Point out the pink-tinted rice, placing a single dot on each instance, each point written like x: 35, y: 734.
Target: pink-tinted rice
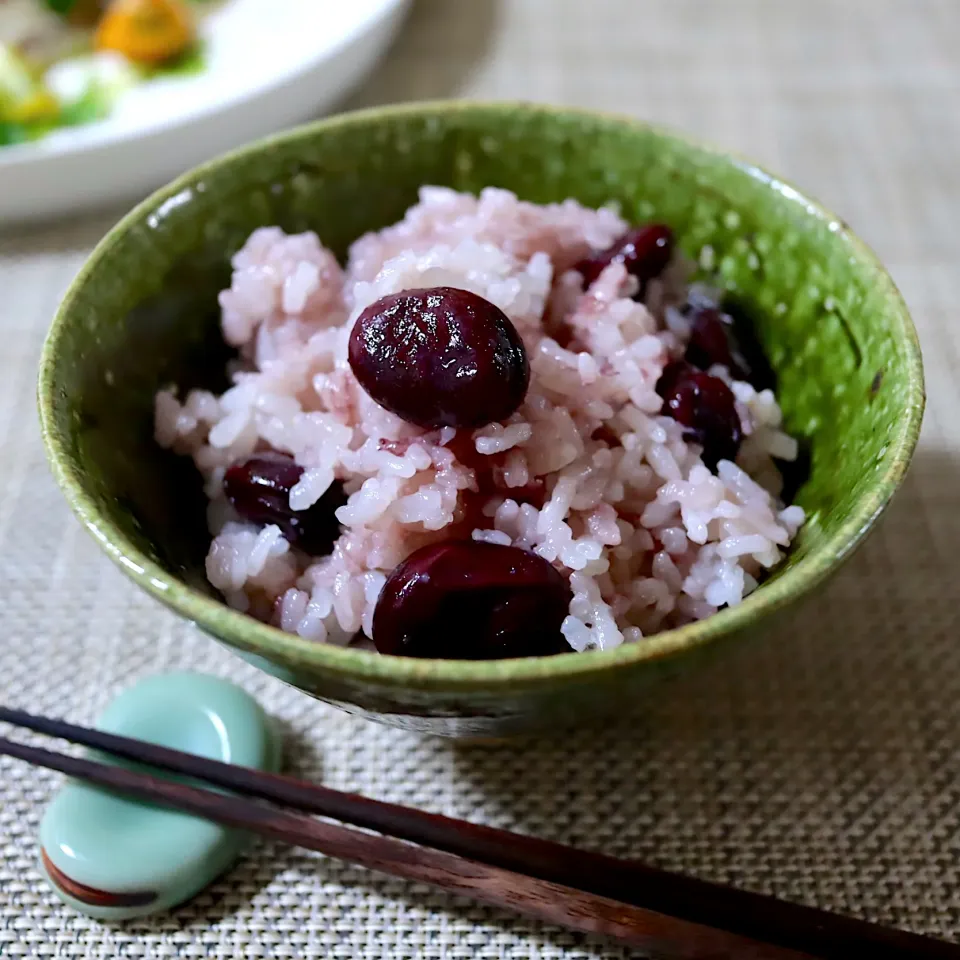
x: 648, y: 536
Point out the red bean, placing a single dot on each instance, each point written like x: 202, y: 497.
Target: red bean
x: 466, y: 600
x: 705, y: 405
x: 644, y: 251
x: 440, y: 357
x: 259, y: 489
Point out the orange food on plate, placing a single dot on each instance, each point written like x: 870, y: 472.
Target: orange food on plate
x: 146, y: 31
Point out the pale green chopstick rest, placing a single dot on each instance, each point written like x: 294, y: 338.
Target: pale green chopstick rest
x: 113, y: 858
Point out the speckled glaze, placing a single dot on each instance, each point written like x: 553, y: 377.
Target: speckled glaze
x: 115, y: 858
x: 142, y: 314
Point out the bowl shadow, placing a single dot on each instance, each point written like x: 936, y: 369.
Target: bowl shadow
x: 824, y: 751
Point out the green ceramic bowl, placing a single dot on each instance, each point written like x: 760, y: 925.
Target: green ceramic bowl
x: 143, y: 313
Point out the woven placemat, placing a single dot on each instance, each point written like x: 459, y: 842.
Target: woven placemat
x: 821, y: 765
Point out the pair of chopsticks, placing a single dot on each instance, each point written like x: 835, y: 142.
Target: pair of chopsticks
x: 664, y: 914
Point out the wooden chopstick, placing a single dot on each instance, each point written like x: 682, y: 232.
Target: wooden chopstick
x: 660, y: 935
x: 683, y: 899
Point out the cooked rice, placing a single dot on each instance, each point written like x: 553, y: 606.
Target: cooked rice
x: 647, y: 535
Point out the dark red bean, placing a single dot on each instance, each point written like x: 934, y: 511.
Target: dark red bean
x: 440, y: 357
x: 705, y: 405
x: 644, y: 251
x: 259, y: 489
x: 465, y: 600
x: 605, y: 435
x: 714, y: 340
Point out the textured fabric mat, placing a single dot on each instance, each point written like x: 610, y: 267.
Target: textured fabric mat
x: 821, y: 765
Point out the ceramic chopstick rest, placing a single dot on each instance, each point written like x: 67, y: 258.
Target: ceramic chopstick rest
x: 116, y: 858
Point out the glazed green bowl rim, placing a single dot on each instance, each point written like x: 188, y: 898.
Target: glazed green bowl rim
x: 270, y: 642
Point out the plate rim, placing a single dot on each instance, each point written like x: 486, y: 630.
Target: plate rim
x: 101, y: 136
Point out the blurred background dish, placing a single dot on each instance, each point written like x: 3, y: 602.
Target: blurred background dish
x: 66, y: 63
x: 90, y: 113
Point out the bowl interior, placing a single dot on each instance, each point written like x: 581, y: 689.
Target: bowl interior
x: 143, y: 314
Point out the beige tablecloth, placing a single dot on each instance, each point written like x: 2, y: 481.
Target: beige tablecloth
x: 821, y: 766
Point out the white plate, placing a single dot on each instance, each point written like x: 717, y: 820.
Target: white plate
x: 268, y: 64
